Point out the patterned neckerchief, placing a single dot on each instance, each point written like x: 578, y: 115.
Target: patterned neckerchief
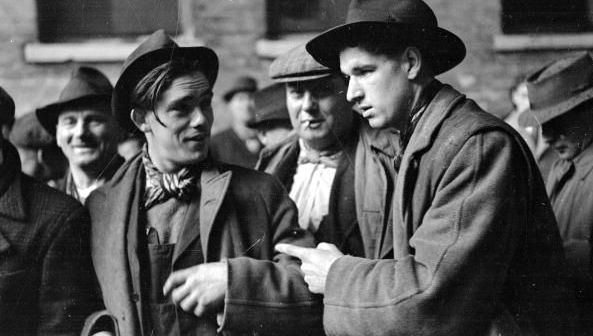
x: 162, y: 186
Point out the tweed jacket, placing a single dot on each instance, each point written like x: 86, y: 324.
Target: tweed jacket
x: 473, y: 247
x: 242, y: 215
x: 46, y: 276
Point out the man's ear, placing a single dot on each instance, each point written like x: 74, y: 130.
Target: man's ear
x: 412, y: 59
x: 138, y: 117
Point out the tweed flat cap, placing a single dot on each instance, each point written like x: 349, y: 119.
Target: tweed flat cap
x: 27, y: 132
x: 297, y: 65
x: 6, y: 107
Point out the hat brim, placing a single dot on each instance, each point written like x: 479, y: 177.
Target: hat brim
x: 444, y: 49
x: 546, y: 114
x: 303, y: 78
x: 141, y: 66
x: 48, y: 115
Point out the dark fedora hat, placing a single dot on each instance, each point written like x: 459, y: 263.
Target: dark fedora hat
x: 6, y: 108
x: 270, y: 106
x: 560, y: 86
x: 27, y: 132
x: 393, y: 21
x: 241, y: 84
x: 156, y: 50
x: 86, y: 85
x: 297, y: 65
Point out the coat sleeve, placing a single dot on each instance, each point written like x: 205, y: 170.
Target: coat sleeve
x: 270, y: 296
x: 67, y: 292
x: 449, y: 283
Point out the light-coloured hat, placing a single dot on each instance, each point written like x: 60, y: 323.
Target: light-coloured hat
x: 297, y: 65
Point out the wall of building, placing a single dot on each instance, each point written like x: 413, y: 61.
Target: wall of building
x: 232, y: 27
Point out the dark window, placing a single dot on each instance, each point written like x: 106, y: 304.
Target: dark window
x: 302, y: 16
x: 546, y: 16
x: 67, y: 20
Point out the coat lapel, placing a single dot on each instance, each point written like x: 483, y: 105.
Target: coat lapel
x: 434, y: 115
x: 213, y: 186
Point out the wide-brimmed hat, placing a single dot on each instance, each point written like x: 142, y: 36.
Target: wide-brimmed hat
x: 560, y: 86
x: 393, y: 21
x: 86, y: 85
x: 6, y: 108
x: 270, y: 106
x: 297, y: 65
x: 241, y: 84
x: 156, y: 50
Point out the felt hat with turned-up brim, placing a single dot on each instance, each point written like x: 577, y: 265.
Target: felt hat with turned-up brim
x: 400, y: 22
x: 155, y: 51
x: 559, y: 87
x: 86, y: 85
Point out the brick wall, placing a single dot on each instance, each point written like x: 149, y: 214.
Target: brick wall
x: 232, y: 27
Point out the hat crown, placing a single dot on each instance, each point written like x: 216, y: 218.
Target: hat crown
x: 157, y: 40
x: 560, y: 82
x: 414, y: 12
x: 295, y: 65
x: 86, y: 82
x: 6, y: 107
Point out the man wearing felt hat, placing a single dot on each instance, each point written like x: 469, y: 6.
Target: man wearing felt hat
x: 318, y: 166
x: 561, y: 96
x: 85, y: 130
x: 238, y: 144
x: 271, y: 122
x: 472, y: 246
x: 181, y: 243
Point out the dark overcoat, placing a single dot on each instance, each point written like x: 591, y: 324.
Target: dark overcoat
x: 46, y: 276
x: 242, y: 215
x: 473, y: 248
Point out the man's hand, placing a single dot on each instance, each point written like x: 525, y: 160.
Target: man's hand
x: 315, y: 262
x: 199, y: 289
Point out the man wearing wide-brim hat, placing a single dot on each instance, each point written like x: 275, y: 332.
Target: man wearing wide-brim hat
x: 561, y: 97
x: 85, y: 131
x: 271, y: 121
x: 181, y: 243
x: 472, y: 246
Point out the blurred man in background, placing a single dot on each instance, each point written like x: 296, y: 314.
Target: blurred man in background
x: 85, y: 130
x: 271, y: 122
x: 561, y: 96
x: 41, y: 158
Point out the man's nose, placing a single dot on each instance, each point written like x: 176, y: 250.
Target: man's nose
x: 354, y: 93
x: 310, y: 103
x: 198, y: 118
x: 80, y: 128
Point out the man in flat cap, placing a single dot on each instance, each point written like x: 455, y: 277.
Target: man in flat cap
x: 271, y: 122
x: 561, y: 96
x: 46, y: 276
x: 238, y: 144
x: 181, y: 243
x: 319, y: 164
x: 41, y: 158
x: 6, y: 113
x: 472, y: 246
x: 86, y: 132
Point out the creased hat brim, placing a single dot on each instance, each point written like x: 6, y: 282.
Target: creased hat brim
x: 546, y: 114
x: 444, y: 49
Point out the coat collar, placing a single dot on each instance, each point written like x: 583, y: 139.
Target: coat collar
x: 584, y: 162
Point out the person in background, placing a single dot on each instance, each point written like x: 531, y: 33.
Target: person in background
x: 520, y: 101
x: 271, y: 122
x: 472, y: 246
x: 6, y: 113
x: 238, y: 144
x: 561, y: 96
x: 40, y: 156
x: 544, y: 154
x: 85, y: 131
x: 183, y: 244
x: 130, y: 145
x: 46, y: 276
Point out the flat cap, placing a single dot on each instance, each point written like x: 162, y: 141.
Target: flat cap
x: 297, y: 65
x: 241, y: 84
x: 270, y: 105
x: 6, y: 107
x: 27, y: 132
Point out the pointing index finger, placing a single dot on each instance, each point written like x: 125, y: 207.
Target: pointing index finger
x: 292, y: 250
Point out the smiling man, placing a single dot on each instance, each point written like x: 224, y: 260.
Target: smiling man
x: 471, y: 246
x: 561, y: 97
x: 85, y: 131
x: 183, y: 244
